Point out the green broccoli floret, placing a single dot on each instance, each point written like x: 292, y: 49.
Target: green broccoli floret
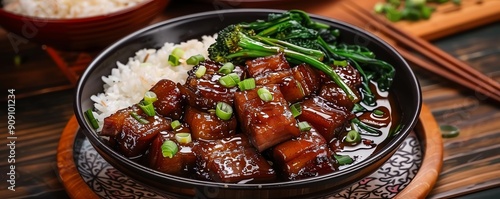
x: 227, y: 42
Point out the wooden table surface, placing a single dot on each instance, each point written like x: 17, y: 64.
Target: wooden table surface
x: 471, y: 164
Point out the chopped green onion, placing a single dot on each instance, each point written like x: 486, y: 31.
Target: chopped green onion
x: 139, y: 118
x: 175, y: 56
x: 177, y: 52
x: 353, y: 136
x: 365, y: 129
x: 304, y: 126
x: 426, y: 12
x: 247, y: 84
x: 91, y: 118
x: 235, y: 77
x: 378, y: 113
x: 230, y: 80
x: 227, y: 68
x: 265, y: 95
x: 449, y: 131
x: 343, y: 159
x: 169, y: 148
x: 183, y: 138
x: 393, y: 14
x: 224, y: 111
x: 200, y: 71
x: 195, y: 59
x: 150, y: 97
x: 379, y: 7
x: 342, y: 63
x: 296, y: 109
x: 175, y: 124
x: 173, y: 60
x: 149, y: 109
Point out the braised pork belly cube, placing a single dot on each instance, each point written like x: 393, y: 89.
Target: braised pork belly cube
x: 134, y: 136
x: 307, y: 77
x: 113, y: 124
x: 275, y: 69
x: 331, y: 92
x: 265, y: 123
x: 262, y: 65
x: 232, y: 160
x: 305, y: 156
x: 290, y: 88
x: 324, y: 116
x: 208, y: 126
x: 169, y: 103
x: 181, y: 163
x: 272, y: 77
x: 349, y: 75
x: 204, y: 92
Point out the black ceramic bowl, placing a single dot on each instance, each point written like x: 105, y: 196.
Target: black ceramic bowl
x: 405, y: 88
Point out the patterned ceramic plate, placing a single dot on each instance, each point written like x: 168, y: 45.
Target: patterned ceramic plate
x: 386, y: 182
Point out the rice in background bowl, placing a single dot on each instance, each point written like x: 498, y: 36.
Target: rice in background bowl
x: 82, y: 33
x: 65, y: 9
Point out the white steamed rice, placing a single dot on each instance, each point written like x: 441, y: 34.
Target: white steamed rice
x: 129, y: 81
x: 65, y: 9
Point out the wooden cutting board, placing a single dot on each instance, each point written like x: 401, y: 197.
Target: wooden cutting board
x: 448, y: 18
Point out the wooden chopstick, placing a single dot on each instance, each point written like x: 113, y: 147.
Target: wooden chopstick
x: 410, y: 39
x: 446, y: 74
x: 444, y: 65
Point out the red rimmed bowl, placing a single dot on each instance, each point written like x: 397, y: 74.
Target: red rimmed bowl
x: 406, y: 91
x: 80, y: 34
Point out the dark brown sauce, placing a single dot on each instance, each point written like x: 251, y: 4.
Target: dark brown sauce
x: 370, y: 144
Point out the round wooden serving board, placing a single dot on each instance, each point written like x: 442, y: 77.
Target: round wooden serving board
x: 427, y: 131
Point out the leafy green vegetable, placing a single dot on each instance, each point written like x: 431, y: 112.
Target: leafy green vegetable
x: 301, y: 40
x: 411, y: 10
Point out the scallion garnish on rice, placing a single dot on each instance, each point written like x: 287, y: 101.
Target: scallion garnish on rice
x: 195, y: 59
x: 90, y: 116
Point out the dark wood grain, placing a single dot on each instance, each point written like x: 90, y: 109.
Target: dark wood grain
x: 471, y: 161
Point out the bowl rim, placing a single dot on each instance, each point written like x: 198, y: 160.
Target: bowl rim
x: 77, y: 19
x: 383, y: 152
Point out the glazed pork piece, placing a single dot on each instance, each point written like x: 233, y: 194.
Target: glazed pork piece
x: 180, y: 164
x: 169, y: 103
x: 325, y: 117
x: 275, y: 69
x: 308, y: 78
x: 131, y: 136
x: 333, y: 93
x: 265, y: 123
x: 262, y: 65
x: 203, y: 93
x: 232, y: 160
x: 207, y: 126
x: 305, y: 156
